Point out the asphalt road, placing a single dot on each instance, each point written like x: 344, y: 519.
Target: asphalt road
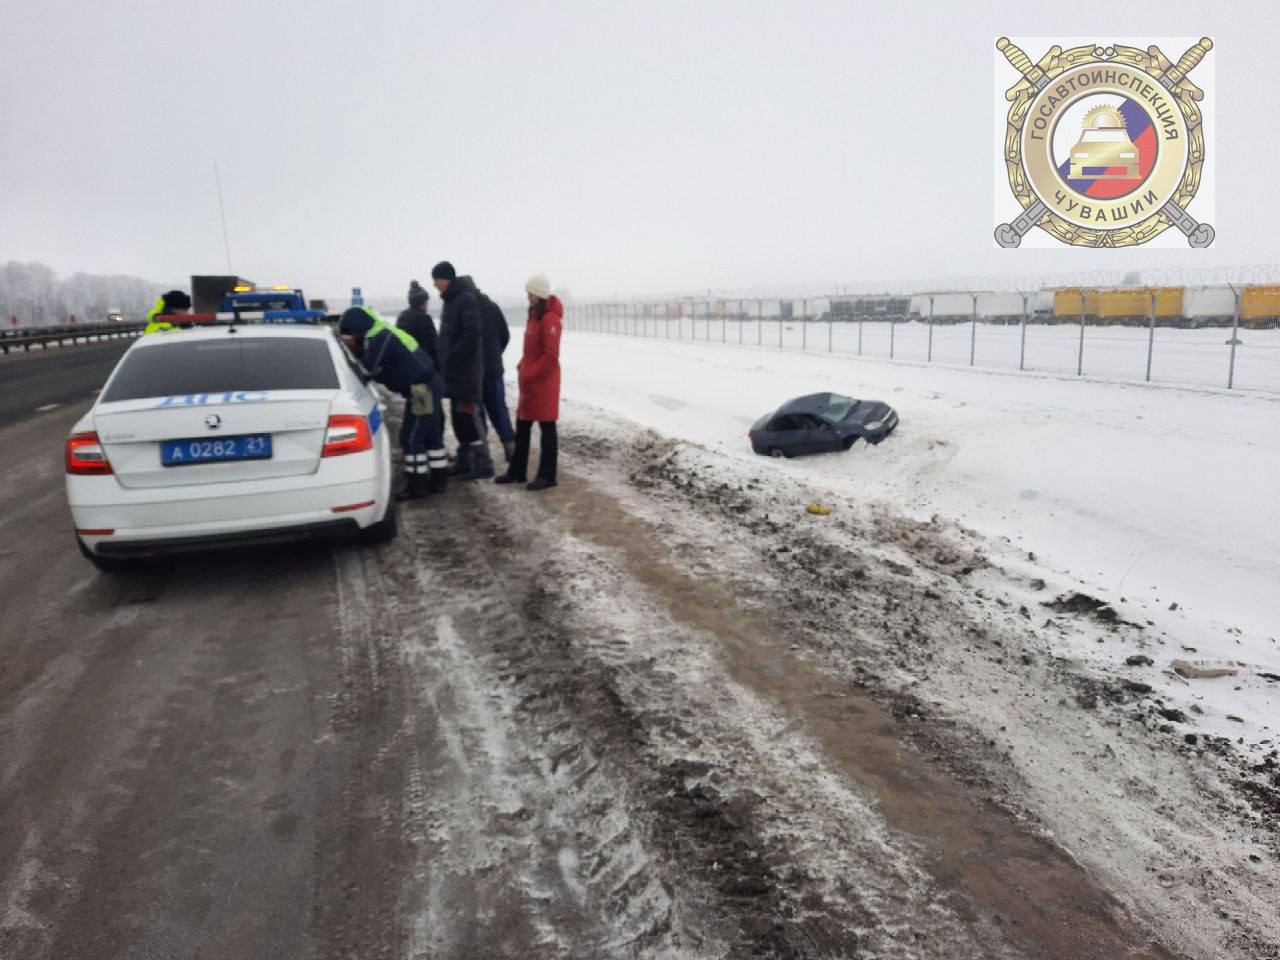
x: 164, y: 771
x: 65, y: 376
x: 171, y: 781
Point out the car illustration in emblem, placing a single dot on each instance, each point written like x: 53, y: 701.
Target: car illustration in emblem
x: 1104, y: 145
x: 213, y: 421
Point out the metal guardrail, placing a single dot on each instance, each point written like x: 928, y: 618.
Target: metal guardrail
x: 25, y: 338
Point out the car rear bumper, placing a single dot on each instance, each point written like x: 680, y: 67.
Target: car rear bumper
x: 119, y: 528
x: 140, y: 547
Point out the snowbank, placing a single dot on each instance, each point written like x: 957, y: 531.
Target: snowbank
x: 1150, y: 496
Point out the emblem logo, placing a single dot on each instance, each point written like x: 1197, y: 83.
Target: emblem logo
x: 1104, y: 146
x: 213, y: 421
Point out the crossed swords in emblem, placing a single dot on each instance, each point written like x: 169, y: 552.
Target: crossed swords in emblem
x: 1010, y: 235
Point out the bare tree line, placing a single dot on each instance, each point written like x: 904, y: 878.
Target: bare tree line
x: 37, y: 297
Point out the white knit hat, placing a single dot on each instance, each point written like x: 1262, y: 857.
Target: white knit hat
x: 539, y: 286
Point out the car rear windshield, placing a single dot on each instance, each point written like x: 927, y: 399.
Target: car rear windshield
x: 216, y: 366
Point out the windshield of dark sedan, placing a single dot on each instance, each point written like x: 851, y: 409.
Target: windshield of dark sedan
x: 838, y: 408
x: 217, y: 366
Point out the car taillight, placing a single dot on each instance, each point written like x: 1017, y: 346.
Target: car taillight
x: 85, y: 455
x: 346, y: 434
x: 348, y: 508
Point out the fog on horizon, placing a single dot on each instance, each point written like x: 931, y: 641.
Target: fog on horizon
x: 624, y: 150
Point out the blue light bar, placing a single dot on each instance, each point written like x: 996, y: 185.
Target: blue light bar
x: 293, y: 316
x: 271, y: 316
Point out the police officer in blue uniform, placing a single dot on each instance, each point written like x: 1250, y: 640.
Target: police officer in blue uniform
x: 394, y: 358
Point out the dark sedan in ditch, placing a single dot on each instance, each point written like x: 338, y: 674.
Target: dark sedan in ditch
x: 821, y: 423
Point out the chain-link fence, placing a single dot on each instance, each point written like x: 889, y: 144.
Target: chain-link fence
x: 1218, y: 335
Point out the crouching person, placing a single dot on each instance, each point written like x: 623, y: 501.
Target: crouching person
x: 394, y: 359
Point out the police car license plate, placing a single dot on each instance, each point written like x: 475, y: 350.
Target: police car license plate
x: 177, y: 453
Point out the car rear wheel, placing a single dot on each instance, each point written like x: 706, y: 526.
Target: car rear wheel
x: 776, y: 453
x: 850, y: 442
x: 384, y: 531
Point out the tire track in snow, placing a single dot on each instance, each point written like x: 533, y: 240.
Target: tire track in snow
x: 521, y: 843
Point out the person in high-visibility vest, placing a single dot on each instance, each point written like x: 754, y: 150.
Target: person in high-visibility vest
x: 393, y: 357
x: 169, y: 304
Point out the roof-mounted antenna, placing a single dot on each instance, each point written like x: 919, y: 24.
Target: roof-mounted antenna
x: 226, y: 243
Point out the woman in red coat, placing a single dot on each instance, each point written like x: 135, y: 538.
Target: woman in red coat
x: 539, y: 380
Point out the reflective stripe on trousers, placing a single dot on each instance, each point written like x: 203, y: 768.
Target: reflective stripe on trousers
x: 426, y: 462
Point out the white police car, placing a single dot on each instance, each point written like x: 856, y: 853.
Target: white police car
x: 229, y: 434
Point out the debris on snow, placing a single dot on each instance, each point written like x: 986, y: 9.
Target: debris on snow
x: 1203, y: 670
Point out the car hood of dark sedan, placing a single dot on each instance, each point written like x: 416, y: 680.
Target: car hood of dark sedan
x: 866, y: 411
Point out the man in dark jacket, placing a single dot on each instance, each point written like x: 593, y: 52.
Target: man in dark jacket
x: 395, y: 360
x: 418, y: 322
x: 496, y: 336
x: 462, y: 363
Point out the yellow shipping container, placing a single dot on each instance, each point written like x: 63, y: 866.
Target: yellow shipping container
x: 1137, y: 302
x: 1067, y: 302
x: 1169, y: 302
x: 1070, y: 302
x: 1259, y: 303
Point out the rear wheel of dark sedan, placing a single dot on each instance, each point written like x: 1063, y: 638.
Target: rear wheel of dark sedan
x: 777, y: 454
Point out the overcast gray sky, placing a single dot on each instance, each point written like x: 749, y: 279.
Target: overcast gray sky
x: 619, y: 147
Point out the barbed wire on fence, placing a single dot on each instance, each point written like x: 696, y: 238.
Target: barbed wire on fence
x: 1211, y: 326
x: 1175, y: 276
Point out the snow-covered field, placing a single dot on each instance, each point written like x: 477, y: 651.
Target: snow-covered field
x: 1189, y: 357
x: 1159, y: 501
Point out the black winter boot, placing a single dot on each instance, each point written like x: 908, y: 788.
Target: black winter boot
x: 462, y: 463
x: 550, y: 456
x: 438, y: 481
x: 481, y: 462
x: 415, y: 488
x: 518, y: 460
x: 540, y: 483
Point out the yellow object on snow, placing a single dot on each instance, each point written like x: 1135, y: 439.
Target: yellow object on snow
x: 819, y: 509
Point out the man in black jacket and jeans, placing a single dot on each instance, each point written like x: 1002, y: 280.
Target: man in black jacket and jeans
x: 496, y: 336
x: 461, y: 348
x: 418, y: 323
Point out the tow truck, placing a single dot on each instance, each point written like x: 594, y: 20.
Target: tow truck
x: 277, y: 303
x: 226, y: 299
